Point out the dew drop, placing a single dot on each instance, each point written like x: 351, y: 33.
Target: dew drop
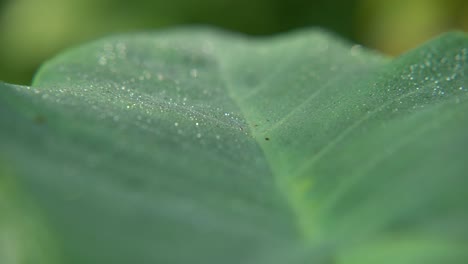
x: 355, y: 50
x: 194, y: 73
x: 147, y: 75
x: 102, y: 60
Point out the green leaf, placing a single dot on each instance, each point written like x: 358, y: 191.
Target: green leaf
x: 199, y: 146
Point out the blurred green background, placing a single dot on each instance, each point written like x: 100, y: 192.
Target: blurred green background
x: 31, y: 31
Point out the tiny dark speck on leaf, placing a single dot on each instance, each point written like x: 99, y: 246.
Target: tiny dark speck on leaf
x: 267, y: 138
x: 39, y: 119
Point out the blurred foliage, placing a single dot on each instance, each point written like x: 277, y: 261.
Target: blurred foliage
x: 33, y: 30
x: 398, y: 25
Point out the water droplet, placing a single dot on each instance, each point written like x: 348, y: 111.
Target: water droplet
x: 121, y: 49
x: 355, y: 50
x: 102, y: 60
x: 108, y: 47
x: 147, y: 75
x: 176, y: 124
x: 194, y: 73
x: 196, y: 124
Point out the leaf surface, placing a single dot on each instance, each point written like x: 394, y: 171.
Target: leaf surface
x: 199, y: 146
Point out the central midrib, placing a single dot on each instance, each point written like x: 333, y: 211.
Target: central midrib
x: 297, y: 207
